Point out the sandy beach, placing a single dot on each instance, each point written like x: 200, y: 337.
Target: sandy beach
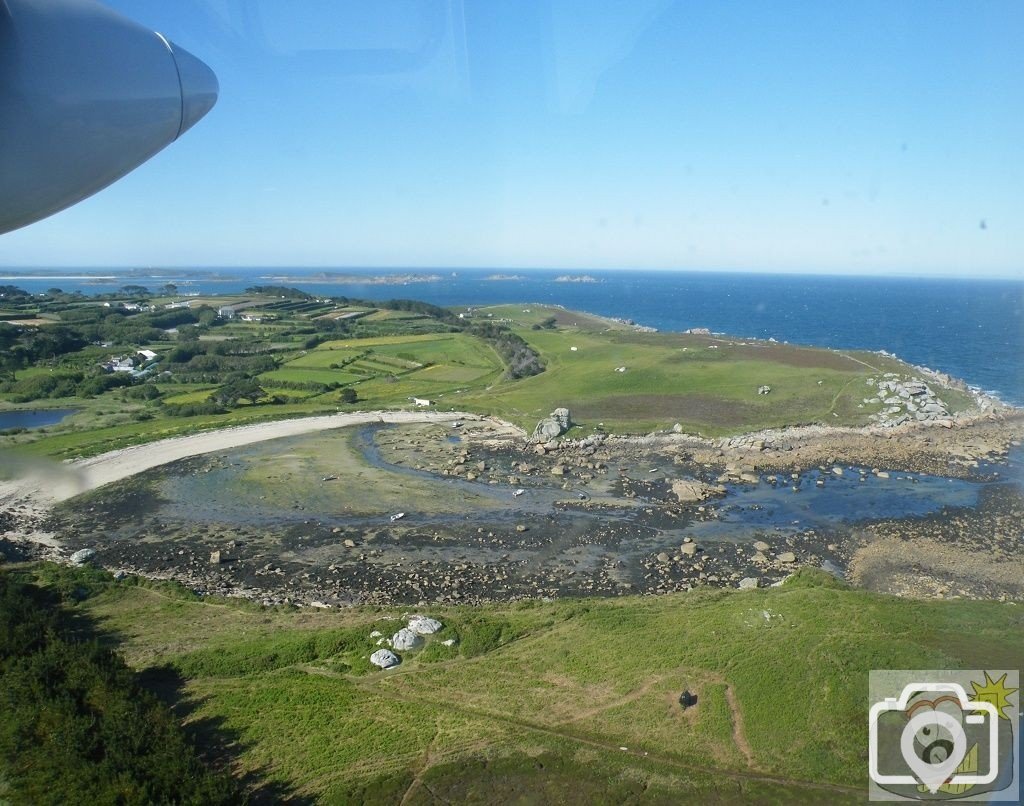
x: 44, y: 484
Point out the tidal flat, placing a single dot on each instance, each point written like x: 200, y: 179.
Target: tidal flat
x: 311, y: 519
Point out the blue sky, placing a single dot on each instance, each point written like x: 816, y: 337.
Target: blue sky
x: 864, y: 137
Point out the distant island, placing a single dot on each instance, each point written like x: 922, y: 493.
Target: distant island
x: 498, y: 277
x: 576, y: 278
x: 354, y: 279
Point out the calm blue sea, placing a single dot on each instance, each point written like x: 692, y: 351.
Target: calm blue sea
x: 973, y: 329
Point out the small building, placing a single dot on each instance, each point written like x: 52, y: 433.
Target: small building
x: 226, y: 312
x: 146, y: 355
x: 422, y: 401
x: 181, y: 304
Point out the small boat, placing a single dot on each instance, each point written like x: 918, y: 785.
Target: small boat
x: 397, y: 516
x: 329, y: 478
x: 457, y: 424
x: 518, y: 493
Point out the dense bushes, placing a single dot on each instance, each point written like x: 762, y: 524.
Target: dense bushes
x: 75, y: 726
x: 193, y: 409
x: 522, y: 360
x: 62, y: 384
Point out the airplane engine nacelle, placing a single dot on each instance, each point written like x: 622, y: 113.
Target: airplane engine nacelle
x: 85, y: 96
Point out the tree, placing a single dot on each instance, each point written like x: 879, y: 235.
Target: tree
x: 349, y: 395
x: 241, y: 389
x: 170, y: 289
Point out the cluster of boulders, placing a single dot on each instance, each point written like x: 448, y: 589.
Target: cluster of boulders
x: 552, y: 426
x: 905, y: 401
x: 407, y: 638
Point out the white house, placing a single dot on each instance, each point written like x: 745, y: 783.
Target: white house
x: 226, y: 312
x: 121, y: 363
x: 421, y: 401
x: 147, y: 355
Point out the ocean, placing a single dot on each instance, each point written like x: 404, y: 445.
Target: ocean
x: 973, y: 329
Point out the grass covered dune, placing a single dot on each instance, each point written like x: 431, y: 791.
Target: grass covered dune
x: 559, y: 701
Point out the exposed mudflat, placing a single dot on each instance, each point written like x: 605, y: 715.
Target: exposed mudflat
x: 308, y: 518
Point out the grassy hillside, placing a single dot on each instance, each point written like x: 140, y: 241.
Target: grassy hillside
x: 707, y: 384
x: 571, y: 700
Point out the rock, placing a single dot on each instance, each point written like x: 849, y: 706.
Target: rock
x: 405, y: 639
x: 422, y: 625
x: 764, y: 390
x: 559, y: 470
x: 449, y: 642
x: 216, y: 558
x: 662, y: 557
x: 384, y: 658
x: 787, y: 557
x: 688, y: 549
x: 690, y: 491
x: 748, y: 583
x: 349, y: 543
x: 760, y: 545
x: 552, y: 426
x: 82, y: 556
x: 520, y: 527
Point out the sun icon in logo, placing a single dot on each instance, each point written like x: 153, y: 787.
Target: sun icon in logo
x: 995, y: 692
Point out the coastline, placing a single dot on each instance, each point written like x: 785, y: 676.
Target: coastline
x: 746, y: 460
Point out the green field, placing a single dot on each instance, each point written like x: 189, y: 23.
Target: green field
x: 572, y: 700
x: 389, y: 370
x: 616, y: 379
x: 706, y: 384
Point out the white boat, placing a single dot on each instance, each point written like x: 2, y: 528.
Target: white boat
x: 518, y: 493
x: 397, y: 516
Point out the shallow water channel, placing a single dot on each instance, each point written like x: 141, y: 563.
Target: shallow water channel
x: 321, y: 506
x: 745, y: 511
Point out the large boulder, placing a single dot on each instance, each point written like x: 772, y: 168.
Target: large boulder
x: 553, y: 426
x: 82, y: 556
x: 421, y: 625
x: 405, y: 639
x: 384, y: 658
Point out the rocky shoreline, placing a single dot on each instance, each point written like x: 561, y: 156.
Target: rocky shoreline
x: 972, y: 553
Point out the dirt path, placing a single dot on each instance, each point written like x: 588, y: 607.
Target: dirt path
x: 738, y: 734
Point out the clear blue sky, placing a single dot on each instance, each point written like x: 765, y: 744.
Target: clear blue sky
x: 871, y: 137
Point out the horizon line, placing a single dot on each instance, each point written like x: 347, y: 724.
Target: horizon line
x: 900, y: 274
